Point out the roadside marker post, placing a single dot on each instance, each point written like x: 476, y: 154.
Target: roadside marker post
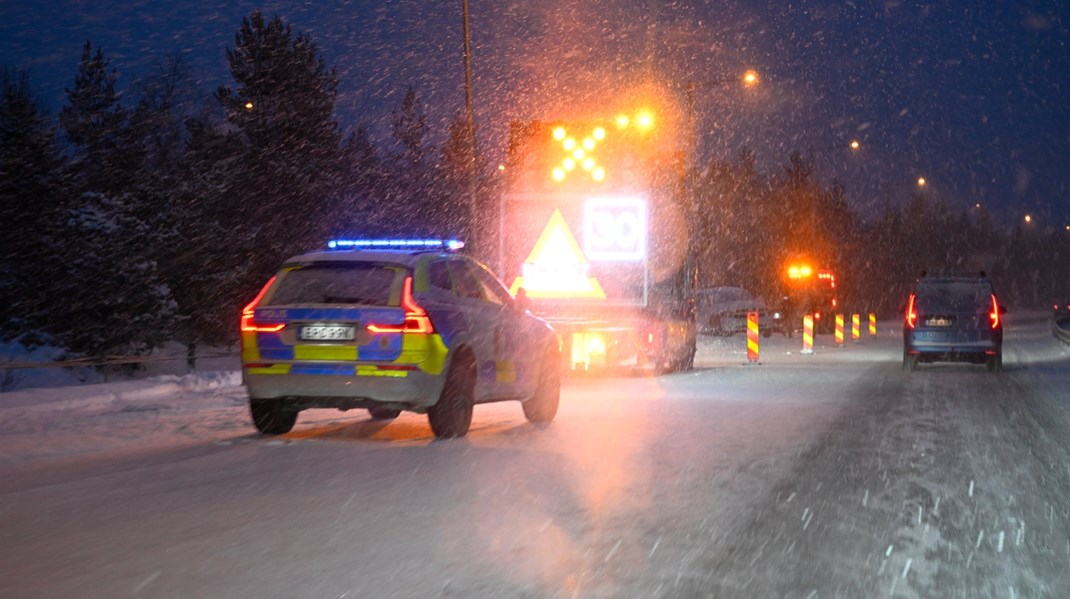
x: 872, y: 324
x: 752, y: 337
x: 839, y: 330
x: 856, y: 333
x: 808, y: 334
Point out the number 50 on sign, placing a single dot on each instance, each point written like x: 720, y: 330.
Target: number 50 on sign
x: 614, y: 229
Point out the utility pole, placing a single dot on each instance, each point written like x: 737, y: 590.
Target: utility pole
x: 470, y: 125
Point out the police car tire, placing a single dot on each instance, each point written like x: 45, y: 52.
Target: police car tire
x: 451, y: 416
x: 689, y: 359
x: 542, y: 406
x: 381, y: 413
x: 270, y: 417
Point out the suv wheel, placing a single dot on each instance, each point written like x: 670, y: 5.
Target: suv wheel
x: 910, y: 363
x: 542, y: 406
x: 271, y: 417
x: 995, y: 363
x: 451, y: 416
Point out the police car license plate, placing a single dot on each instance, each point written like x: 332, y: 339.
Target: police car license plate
x: 328, y: 333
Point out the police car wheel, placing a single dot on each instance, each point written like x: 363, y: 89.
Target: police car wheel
x: 542, y: 406
x: 689, y: 359
x: 381, y: 413
x: 271, y: 417
x: 451, y: 416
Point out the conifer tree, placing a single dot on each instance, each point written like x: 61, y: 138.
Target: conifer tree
x: 31, y: 198
x: 111, y: 297
x: 105, y: 159
x: 282, y: 113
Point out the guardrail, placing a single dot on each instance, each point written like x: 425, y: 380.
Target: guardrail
x: 115, y: 361
x: 1060, y: 327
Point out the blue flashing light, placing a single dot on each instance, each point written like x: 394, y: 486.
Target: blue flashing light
x: 388, y: 244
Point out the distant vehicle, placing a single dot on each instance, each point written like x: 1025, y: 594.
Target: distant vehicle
x: 953, y: 318
x: 392, y: 326
x: 1060, y: 311
x: 809, y: 291
x: 723, y: 311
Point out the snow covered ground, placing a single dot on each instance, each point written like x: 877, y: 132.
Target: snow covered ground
x: 825, y: 475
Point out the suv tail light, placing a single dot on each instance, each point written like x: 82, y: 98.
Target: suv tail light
x: 994, y: 314
x: 249, y: 324
x: 911, y: 313
x: 416, y: 319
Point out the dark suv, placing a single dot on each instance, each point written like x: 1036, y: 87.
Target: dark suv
x: 953, y: 318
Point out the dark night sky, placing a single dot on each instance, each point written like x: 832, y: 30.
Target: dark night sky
x: 973, y: 96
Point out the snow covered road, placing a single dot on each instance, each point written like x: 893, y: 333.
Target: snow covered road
x: 825, y: 475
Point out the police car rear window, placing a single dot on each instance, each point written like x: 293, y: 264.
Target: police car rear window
x: 359, y: 283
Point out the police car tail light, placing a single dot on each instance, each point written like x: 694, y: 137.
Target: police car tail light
x: 416, y: 319
x: 248, y: 321
x: 993, y: 316
x: 911, y: 314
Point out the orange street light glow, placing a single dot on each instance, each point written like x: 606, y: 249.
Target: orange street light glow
x: 921, y: 182
x: 645, y: 119
x: 750, y: 78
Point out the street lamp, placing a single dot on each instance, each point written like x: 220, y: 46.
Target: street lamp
x: 470, y: 124
x: 854, y: 145
x: 748, y: 79
x: 919, y: 184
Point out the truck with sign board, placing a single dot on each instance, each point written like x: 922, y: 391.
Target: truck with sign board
x: 810, y: 291
x: 594, y: 234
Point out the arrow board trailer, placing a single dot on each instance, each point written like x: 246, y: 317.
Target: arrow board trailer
x: 604, y: 261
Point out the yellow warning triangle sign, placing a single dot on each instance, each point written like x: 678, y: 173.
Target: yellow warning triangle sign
x: 556, y: 266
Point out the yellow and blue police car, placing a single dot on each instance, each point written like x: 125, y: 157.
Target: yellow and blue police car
x: 392, y: 325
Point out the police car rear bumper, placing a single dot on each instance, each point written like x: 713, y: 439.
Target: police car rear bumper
x: 412, y: 390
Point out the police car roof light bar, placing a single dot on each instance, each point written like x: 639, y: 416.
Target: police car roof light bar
x: 449, y: 244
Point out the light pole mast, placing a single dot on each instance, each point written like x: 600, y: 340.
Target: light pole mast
x: 470, y: 126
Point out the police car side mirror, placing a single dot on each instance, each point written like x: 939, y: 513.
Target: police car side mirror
x: 522, y: 302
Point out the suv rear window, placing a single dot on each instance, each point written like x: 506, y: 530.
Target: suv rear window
x: 957, y: 296
x: 361, y: 283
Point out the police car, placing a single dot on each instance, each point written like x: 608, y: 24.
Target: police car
x: 392, y: 325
